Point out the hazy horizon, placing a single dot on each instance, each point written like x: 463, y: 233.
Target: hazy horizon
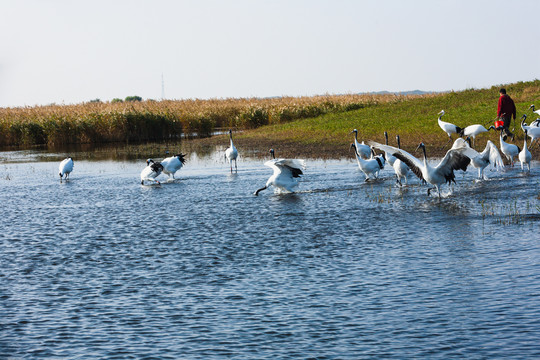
x: 66, y: 52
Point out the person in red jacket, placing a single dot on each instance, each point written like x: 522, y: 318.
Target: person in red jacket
x: 505, y: 111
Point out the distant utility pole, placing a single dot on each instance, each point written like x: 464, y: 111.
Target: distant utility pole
x: 162, y: 87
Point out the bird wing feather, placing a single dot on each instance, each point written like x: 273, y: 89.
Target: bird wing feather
x: 156, y: 167
x: 182, y: 158
x: 453, y: 160
x: 393, y: 150
x: 464, y: 148
x: 294, y: 171
x: 474, y: 129
x: 292, y: 163
x: 292, y: 166
x: 495, y: 157
x: 173, y: 163
x: 165, y: 162
x: 411, y: 161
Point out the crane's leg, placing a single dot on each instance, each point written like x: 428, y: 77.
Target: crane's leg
x: 235, y: 165
x: 449, y: 140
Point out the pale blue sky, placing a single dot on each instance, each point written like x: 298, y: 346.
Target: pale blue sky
x: 55, y: 51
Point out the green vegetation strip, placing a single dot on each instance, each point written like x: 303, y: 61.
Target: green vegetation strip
x: 311, y: 127
x: 415, y: 120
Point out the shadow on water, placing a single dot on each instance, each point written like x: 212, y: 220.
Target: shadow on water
x: 286, y: 198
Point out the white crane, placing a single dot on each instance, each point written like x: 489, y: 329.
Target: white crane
x: 448, y: 128
x: 151, y: 171
x: 400, y: 168
x: 232, y: 153
x: 370, y: 167
x: 509, y: 150
x: 172, y: 164
x: 535, y: 123
x: 65, y: 168
x: 532, y: 131
x: 362, y: 149
x: 534, y: 109
x: 474, y: 130
x: 480, y: 161
x: 435, y: 175
x: 525, y: 155
x: 286, y: 173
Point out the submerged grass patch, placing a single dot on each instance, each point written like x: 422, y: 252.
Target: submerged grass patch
x: 510, y: 213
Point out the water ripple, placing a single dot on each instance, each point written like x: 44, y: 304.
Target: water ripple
x: 200, y: 268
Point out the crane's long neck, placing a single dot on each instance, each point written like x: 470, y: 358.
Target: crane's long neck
x: 358, y: 157
x: 385, y: 138
x: 398, y: 143
x: 425, y: 156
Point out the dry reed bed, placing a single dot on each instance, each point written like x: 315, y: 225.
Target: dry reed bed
x: 101, y: 122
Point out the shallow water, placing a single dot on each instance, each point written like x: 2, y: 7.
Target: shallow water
x: 102, y: 267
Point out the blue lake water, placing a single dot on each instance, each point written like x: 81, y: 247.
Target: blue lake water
x: 102, y: 267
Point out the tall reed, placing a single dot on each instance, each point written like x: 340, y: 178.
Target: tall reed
x: 99, y: 122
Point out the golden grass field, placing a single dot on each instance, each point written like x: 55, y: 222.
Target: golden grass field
x: 104, y: 122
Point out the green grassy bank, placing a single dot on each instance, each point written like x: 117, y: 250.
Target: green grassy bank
x: 415, y: 120
x: 311, y: 127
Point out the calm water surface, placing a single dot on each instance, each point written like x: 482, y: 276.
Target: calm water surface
x: 102, y: 267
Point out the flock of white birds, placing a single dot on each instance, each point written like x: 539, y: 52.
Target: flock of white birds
x: 459, y: 157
